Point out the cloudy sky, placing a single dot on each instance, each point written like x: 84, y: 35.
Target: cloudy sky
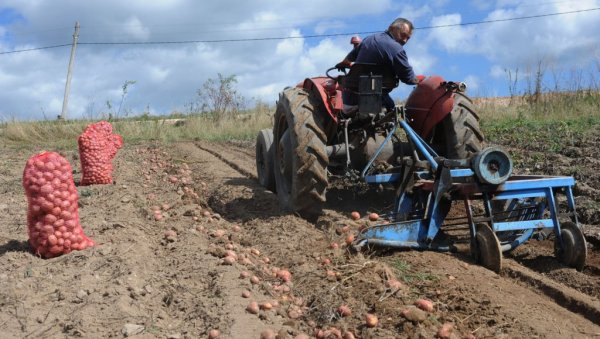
x: 269, y: 45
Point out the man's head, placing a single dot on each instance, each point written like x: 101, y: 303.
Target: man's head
x: 401, y: 30
x: 355, y: 40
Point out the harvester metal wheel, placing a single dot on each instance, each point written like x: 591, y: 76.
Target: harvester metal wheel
x: 460, y: 132
x: 573, y: 253
x: 300, y: 156
x: 486, y: 249
x: 265, y: 159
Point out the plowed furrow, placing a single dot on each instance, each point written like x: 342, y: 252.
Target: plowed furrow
x: 541, y: 280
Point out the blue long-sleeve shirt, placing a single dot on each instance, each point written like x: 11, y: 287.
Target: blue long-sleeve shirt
x: 382, y: 49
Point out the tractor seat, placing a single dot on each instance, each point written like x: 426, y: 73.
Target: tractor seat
x: 351, y: 81
x: 363, y: 88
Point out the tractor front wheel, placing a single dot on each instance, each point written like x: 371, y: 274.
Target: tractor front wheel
x: 264, y: 159
x: 301, y: 159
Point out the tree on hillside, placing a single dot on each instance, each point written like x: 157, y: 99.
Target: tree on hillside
x: 219, y: 96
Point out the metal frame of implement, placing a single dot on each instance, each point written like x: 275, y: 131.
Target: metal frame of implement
x: 426, y: 189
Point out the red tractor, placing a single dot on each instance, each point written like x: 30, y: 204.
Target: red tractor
x: 314, y: 138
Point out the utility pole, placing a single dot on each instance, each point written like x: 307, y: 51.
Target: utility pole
x: 63, y: 114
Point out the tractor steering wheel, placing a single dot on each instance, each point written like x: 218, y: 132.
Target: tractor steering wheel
x: 341, y: 70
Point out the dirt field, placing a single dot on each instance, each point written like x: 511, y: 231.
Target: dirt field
x: 140, y: 283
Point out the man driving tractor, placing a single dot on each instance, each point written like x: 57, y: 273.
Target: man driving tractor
x: 385, y: 50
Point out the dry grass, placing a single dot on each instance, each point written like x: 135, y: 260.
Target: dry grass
x: 579, y: 110
x: 63, y: 134
x: 547, y: 106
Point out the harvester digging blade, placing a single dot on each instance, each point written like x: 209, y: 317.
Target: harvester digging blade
x: 487, y: 252
x: 574, y: 250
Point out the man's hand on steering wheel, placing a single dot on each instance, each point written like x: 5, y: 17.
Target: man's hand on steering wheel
x: 342, y: 66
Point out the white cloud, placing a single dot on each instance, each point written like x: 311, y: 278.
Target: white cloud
x: 496, y: 71
x: 481, y: 4
x: 453, y: 39
x: 157, y: 74
x: 563, y: 40
x: 472, y: 82
x: 327, y: 26
x: 167, y: 76
x: 266, y: 90
x: 414, y: 13
x: 291, y: 47
x: 420, y: 57
x: 135, y: 29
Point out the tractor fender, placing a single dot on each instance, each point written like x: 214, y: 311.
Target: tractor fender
x: 329, y: 93
x: 428, y: 104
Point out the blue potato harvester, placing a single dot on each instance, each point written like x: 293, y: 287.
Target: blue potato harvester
x: 502, y: 211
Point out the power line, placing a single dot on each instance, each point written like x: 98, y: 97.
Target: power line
x: 223, y: 40
x: 301, y: 37
x: 509, y: 19
x: 35, y: 49
x: 333, y: 34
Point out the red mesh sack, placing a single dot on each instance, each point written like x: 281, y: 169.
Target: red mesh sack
x: 52, y: 216
x: 113, y: 147
x: 97, y: 147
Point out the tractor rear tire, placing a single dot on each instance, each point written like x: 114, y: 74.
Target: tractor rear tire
x: 265, y: 159
x: 460, y: 131
x: 301, y: 158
